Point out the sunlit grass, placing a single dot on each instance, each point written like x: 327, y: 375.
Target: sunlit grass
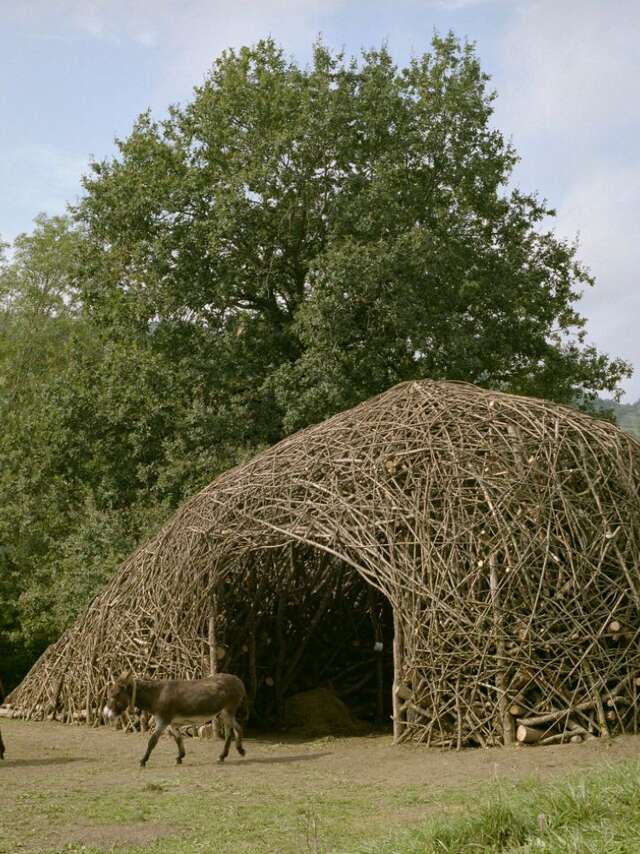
x: 597, y: 811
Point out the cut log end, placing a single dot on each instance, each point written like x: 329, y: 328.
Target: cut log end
x: 528, y: 735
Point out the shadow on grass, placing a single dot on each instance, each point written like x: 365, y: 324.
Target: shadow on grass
x: 34, y: 763
x: 281, y: 760
x: 237, y: 762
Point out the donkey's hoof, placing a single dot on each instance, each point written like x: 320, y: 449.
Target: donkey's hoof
x: 179, y: 760
x: 241, y: 751
x: 220, y: 760
x: 143, y: 764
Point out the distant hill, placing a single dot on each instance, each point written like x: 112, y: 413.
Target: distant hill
x: 627, y: 414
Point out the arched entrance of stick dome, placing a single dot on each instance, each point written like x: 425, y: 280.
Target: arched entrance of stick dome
x: 293, y: 618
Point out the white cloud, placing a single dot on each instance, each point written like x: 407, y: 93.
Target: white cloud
x: 36, y: 178
x: 148, y: 21
x: 197, y: 36
x: 573, y: 65
x: 603, y: 208
x: 147, y: 38
x: 568, y: 94
x: 463, y: 4
x: 191, y: 33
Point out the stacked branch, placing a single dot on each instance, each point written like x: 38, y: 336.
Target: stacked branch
x: 503, y: 532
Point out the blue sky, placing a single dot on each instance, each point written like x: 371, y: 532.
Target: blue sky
x: 75, y: 73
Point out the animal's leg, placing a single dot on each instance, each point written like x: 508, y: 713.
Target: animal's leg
x: 1, y: 747
x: 237, y: 730
x: 174, y: 732
x: 160, y: 728
x: 228, y: 730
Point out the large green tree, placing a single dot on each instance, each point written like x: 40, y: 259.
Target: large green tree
x: 318, y: 234
x: 37, y: 320
x: 84, y: 413
x: 103, y: 433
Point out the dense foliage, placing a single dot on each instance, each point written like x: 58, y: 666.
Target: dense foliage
x: 287, y: 244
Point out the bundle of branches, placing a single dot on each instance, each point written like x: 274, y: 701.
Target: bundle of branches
x: 503, y: 531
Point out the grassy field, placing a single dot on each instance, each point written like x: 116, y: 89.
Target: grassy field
x: 66, y: 789
x: 594, y: 812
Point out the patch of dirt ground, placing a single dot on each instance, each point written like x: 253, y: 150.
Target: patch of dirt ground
x: 107, y: 836
x: 44, y: 760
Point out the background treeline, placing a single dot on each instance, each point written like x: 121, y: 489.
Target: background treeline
x: 626, y: 415
x: 290, y: 242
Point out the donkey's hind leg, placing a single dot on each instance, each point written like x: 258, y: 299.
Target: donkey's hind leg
x: 228, y: 734
x: 232, y: 730
x: 174, y: 732
x: 237, y: 729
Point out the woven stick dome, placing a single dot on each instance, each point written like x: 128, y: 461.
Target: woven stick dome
x: 503, y: 531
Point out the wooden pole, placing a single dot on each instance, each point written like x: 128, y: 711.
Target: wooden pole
x: 251, y: 643
x: 281, y: 657
x: 379, y: 650
x: 501, y: 679
x: 602, y: 720
x: 213, y: 661
x: 213, y: 658
x: 398, y: 652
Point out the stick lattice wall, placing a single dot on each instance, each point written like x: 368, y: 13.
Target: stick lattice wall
x: 504, y: 531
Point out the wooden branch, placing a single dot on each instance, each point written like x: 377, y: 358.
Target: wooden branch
x: 399, y: 718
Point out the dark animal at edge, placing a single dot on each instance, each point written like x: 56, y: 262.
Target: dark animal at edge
x: 180, y: 701
x: 2, y: 696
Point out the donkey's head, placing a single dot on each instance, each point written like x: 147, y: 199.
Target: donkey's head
x: 119, y: 696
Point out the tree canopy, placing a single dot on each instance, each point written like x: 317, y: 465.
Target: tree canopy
x: 288, y: 243
x: 335, y: 229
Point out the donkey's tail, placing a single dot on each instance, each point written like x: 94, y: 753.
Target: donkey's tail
x: 242, y: 712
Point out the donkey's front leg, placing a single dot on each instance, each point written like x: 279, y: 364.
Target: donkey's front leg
x: 160, y: 728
